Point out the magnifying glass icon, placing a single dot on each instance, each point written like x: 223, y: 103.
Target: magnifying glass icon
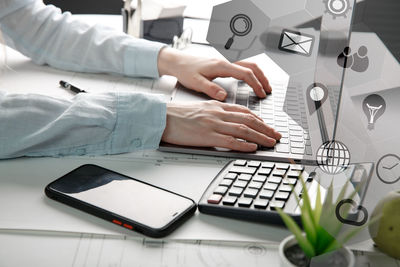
x: 240, y: 25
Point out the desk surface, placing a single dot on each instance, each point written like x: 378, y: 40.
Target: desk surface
x: 23, y: 180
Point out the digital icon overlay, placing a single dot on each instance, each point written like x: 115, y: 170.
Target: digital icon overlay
x: 337, y: 8
x: 374, y: 107
x: 240, y: 25
x: 358, y: 62
x: 333, y: 157
x: 388, y: 169
x: 296, y: 42
x: 355, y: 206
x: 317, y: 94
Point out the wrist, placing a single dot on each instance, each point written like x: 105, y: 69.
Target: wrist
x: 168, y: 61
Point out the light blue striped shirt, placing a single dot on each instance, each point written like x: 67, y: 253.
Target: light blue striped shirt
x: 93, y: 124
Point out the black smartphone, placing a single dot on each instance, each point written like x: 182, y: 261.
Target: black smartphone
x: 122, y: 200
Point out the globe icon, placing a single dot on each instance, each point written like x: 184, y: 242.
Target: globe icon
x: 333, y: 157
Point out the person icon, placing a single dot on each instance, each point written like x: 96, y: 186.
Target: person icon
x: 361, y: 60
x: 345, y: 60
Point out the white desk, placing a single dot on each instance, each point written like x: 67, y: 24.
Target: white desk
x: 24, y: 207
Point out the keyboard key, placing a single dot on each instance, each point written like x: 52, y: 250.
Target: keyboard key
x: 282, y: 148
x: 252, y: 193
x: 298, y: 151
x: 266, y: 194
x: 237, y: 169
x: 269, y: 165
x: 297, y: 168
x: 226, y: 182
x: 283, y: 130
x: 285, y: 188
x: 297, y: 145
x: 296, y: 138
x: 271, y: 186
x: 279, y: 173
x: 231, y: 176
x: 282, y: 166
x: 245, y: 177
x: 285, y: 135
x: 290, y: 181
x: 296, y: 133
x: 214, y: 199
x: 284, y: 141
x: 254, y: 163
x: 282, y: 196
x: 221, y: 190
x: 277, y: 204
x: 245, y: 202
x: 229, y: 201
x: 261, y: 203
x: 293, y: 174
x: 241, y: 184
x: 240, y: 162
x: 275, y: 179
x: 260, y: 178
x: 264, y: 171
x: 235, y: 191
x: 255, y: 185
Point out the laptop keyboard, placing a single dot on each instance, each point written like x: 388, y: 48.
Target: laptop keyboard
x: 248, y: 189
x: 284, y: 111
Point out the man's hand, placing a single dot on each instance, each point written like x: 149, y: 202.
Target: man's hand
x: 197, y: 73
x: 217, y: 124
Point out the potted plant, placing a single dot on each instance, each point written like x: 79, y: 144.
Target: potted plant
x: 316, y: 244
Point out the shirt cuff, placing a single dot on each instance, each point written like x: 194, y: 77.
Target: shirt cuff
x: 140, y: 123
x: 142, y: 61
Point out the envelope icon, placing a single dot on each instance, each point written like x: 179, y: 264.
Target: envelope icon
x: 296, y: 42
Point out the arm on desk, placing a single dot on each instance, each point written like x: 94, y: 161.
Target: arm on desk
x: 49, y: 37
x: 93, y: 124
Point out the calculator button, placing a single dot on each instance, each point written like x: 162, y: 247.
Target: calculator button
x: 299, y: 168
x: 241, y: 184
x: 245, y: 177
x: 270, y: 186
x: 264, y: 171
x: 252, y: 193
x: 229, y: 201
x: 293, y: 174
x: 254, y: 163
x: 240, y: 162
x: 282, y: 195
x: 291, y: 181
x: 275, y: 180
x: 266, y: 194
x: 261, y: 203
x: 285, y: 188
x: 214, y: 199
x: 282, y: 166
x: 259, y: 178
x: 277, y: 204
x: 245, y: 202
x: 279, y: 173
x: 235, y: 191
x: 226, y: 182
x: 221, y: 190
x: 231, y: 176
x: 255, y: 185
x: 269, y: 165
x: 237, y: 169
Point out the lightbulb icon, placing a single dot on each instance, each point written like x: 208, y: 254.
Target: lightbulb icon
x: 374, y: 106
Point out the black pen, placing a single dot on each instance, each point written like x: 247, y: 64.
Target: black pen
x: 69, y: 86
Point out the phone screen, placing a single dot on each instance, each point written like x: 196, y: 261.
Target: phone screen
x: 121, y: 195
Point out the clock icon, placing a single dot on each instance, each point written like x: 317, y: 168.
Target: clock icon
x: 388, y: 169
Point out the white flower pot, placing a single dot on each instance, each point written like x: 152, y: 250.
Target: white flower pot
x: 291, y: 240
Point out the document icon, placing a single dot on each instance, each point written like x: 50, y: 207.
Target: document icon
x: 296, y: 42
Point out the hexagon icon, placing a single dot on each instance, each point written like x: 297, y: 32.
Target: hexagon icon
x: 235, y: 29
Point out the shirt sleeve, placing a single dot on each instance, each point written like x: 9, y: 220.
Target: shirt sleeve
x: 90, y: 124
x: 50, y: 37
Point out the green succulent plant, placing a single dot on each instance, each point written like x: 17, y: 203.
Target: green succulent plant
x: 316, y: 240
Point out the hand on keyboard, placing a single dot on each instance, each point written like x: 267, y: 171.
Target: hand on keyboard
x: 216, y: 124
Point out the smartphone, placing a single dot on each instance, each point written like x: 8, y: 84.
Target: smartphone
x: 122, y: 200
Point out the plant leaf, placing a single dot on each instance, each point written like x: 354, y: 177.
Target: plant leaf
x: 304, y: 244
x: 306, y: 200
x: 318, y: 206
